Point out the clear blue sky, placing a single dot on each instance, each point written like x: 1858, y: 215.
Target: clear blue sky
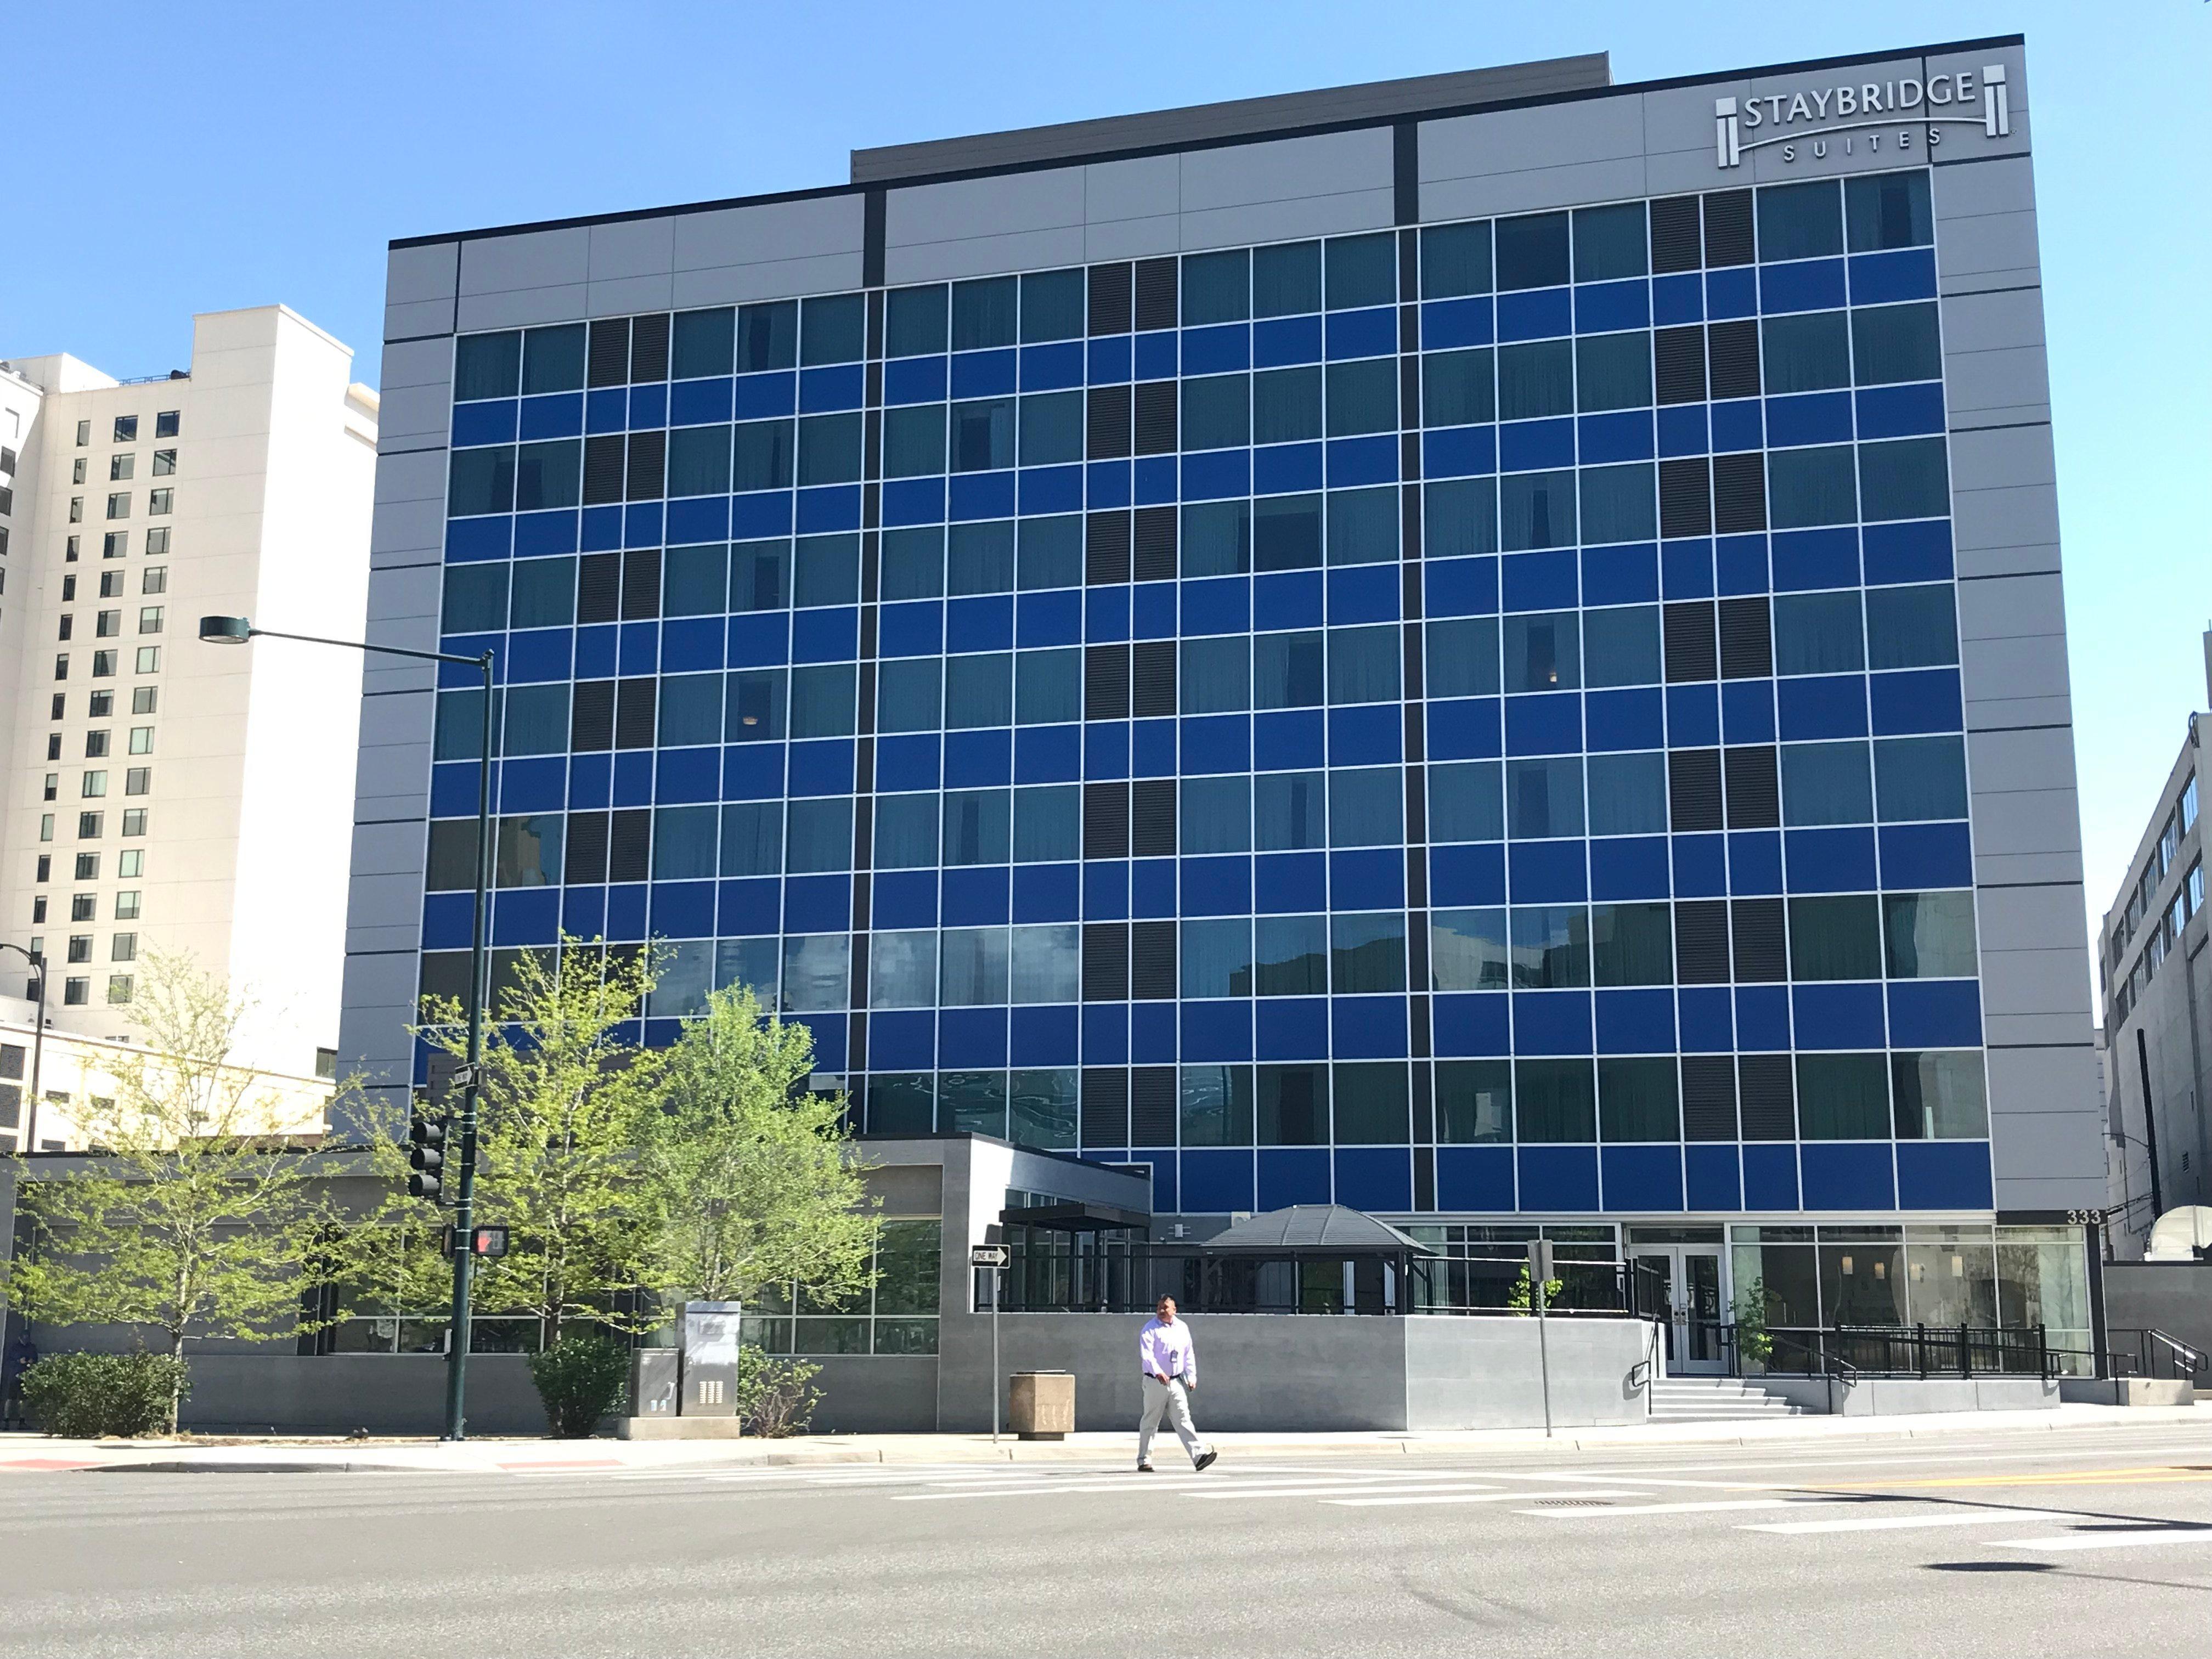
x: 168, y: 160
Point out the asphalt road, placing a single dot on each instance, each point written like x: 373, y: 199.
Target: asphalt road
x: 2079, y: 1542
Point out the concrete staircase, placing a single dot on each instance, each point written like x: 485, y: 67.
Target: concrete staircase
x: 1708, y: 1399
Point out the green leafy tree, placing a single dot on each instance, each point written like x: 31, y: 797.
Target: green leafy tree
x: 751, y: 1180
x: 191, y: 1219
x: 564, y: 1097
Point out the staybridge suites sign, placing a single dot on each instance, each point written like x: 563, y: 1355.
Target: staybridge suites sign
x: 1808, y: 123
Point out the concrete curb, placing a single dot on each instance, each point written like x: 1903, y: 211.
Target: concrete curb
x: 534, y: 1458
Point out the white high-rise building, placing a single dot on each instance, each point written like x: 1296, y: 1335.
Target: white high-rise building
x: 161, y: 793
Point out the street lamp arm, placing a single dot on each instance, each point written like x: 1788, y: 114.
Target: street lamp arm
x: 252, y: 632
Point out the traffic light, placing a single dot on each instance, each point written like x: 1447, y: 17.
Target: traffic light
x: 427, y: 1157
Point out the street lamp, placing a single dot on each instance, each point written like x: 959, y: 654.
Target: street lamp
x: 237, y: 630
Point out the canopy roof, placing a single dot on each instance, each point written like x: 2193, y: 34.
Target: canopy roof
x: 1315, y: 1229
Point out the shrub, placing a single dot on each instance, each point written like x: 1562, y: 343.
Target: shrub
x: 579, y: 1379
x: 82, y: 1396
x: 775, y: 1397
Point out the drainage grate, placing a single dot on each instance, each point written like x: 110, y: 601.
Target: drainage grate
x: 1571, y: 1502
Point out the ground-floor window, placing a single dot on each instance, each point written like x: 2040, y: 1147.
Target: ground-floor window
x: 898, y: 1316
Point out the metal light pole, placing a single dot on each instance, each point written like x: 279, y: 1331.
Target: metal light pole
x: 38, y: 1041
x: 237, y: 630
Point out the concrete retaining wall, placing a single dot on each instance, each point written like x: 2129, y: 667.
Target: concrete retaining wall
x: 1898, y: 1396
x: 2173, y: 1296
x: 336, y: 1394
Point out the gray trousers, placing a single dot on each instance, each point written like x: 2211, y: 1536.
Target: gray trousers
x: 1168, y: 1397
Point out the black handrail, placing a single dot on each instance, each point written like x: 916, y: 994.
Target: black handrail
x: 1918, y: 1351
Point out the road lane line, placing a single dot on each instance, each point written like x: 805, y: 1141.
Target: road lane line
x: 1904, y: 1522
x: 2109, y: 1540
x: 1607, y: 1514
x: 1456, y: 1497
x: 1339, y: 1491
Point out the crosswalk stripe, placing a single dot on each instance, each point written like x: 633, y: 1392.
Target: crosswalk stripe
x: 2109, y: 1540
x: 1456, y: 1497
x: 1669, y: 1509
x: 1904, y: 1523
x: 1125, y: 1484
x: 1227, y: 1494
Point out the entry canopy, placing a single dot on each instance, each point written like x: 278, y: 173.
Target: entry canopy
x: 1319, y: 1229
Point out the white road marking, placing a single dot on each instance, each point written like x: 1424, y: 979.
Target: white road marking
x: 1458, y: 1497
x: 1610, y: 1512
x: 1338, y: 1489
x: 2109, y: 1540
x: 1907, y: 1522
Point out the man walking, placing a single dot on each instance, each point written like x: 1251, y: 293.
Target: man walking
x: 1169, y: 1364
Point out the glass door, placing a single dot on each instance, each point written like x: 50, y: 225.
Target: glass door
x: 1682, y: 1284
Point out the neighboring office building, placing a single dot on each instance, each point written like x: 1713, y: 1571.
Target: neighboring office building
x: 1407, y: 645
x: 161, y: 793
x: 2158, y: 1012
x: 73, y: 1071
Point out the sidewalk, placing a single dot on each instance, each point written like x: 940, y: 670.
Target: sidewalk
x: 31, y: 1454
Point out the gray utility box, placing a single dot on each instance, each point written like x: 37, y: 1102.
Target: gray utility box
x: 710, y: 1359
x: 655, y: 1374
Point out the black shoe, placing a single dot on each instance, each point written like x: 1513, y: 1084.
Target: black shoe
x: 1204, y: 1462
x: 1146, y: 1468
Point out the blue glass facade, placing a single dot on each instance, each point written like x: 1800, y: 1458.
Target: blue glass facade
x: 1461, y: 720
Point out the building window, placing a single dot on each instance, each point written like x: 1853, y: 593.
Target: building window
x: 100, y: 705
x: 141, y: 740
x: 76, y: 470
x: 155, y: 580
x: 157, y: 541
x: 149, y: 659
x: 46, y: 832
x: 66, y: 626
x: 165, y: 423
x: 131, y: 865
x: 120, y: 987
x: 69, y: 555
x: 118, y: 504
x: 61, y: 663
x: 76, y: 993
x: 165, y: 462
x: 39, y: 910
x: 115, y: 545
x: 110, y: 584
x: 84, y: 906
x: 53, y: 745
x: 90, y: 826
x: 142, y: 698
x: 150, y: 619
x: 108, y: 624
x: 92, y: 785
x: 87, y: 866
x: 121, y: 469
x: 134, y: 821
x: 103, y: 665
x: 45, y: 863
x: 80, y: 947
x: 326, y: 1062
x: 160, y: 501
x: 126, y: 428
x: 53, y: 785
x: 95, y: 745
x: 75, y: 516
x: 83, y: 433
x: 126, y: 905
x: 123, y: 947
x: 138, y: 780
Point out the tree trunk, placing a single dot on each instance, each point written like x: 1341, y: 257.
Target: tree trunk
x: 177, y: 1387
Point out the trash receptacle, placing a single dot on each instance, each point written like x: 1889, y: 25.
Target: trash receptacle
x: 1040, y: 1405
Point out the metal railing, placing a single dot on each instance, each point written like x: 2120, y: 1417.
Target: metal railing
x: 1891, y: 1351
x: 1046, y: 1277
x: 2154, y: 1353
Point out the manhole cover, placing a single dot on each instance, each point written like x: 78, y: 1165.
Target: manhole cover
x: 1571, y: 1502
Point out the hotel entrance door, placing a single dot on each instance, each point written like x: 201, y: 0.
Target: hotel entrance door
x: 1687, y: 1278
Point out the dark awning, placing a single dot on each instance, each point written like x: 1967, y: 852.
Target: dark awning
x: 1075, y: 1218
x: 1318, y: 1230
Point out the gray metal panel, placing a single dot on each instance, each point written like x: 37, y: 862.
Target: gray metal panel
x: 722, y: 285
x: 1288, y: 170
x: 521, y: 308
x: 416, y: 394
x: 768, y: 234
x: 1516, y: 160
x: 630, y: 247
x: 419, y: 286
x: 968, y: 209
x: 1143, y: 187
x: 1377, y: 100
x: 528, y: 260
x: 620, y: 296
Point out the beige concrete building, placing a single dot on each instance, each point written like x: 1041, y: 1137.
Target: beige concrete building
x: 156, y: 792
